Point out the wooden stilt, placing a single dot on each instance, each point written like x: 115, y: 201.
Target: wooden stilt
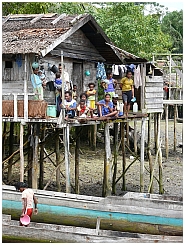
x: 35, y: 156
x: 30, y: 155
x: 67, y: 162
x: 175, y: 126
x: 11, y: 142
x: 149, y: 152
x: 41, y: 174
x: 57, y: 148
x: 107, y: 163
x: 122, y: 130
x: 3, y: 142
x: 77, y: 148
x: 21, y: 153
x: 161, y: 190
x: 142, y: 154
x: 93, y: 134
x: 115, y: 157
x: 135, y: 137
x: 166, y: 131
x: 127, y: 133
x: 155, y: 131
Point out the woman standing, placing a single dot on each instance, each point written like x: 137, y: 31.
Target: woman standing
x: 127, y: 87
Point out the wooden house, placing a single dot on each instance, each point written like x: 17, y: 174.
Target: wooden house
x: 78, y: 42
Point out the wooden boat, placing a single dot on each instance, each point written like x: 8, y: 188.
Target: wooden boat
x: 132, y: 212
x: 59, y: 233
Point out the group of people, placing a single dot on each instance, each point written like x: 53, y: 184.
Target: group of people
x: 85, y: 104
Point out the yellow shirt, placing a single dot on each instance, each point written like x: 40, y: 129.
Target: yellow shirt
x: 127, y: 84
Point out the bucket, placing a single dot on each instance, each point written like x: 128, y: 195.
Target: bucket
x: 51, y: 111
x: 25, y: 220
x: 54, y: 69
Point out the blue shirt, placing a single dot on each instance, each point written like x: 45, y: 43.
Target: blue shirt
x: 71, y: 104
x: 110, y: 87
x: 105, y: 110
x: 36, y: 82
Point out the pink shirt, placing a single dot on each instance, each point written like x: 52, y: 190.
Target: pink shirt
x: 28, y: 194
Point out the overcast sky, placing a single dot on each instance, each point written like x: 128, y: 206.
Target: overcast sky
x: 172, y: 5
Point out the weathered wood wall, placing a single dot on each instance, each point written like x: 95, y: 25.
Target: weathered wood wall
x: 154, y: 94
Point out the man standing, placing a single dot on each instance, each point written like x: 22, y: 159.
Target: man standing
x: 28, y: 198
x: 66, y: 78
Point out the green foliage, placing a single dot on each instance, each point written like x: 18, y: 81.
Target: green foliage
x: 131, y: 30
x: 172, y: 24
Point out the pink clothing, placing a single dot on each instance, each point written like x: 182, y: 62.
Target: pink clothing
x: 28, y: 194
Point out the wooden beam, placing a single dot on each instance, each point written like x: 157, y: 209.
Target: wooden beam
x: 161, y: 190
x: 58, y: 18
x: 135, y: 137
x: 41, y: 175
x: 6, y: 19
x: 35, y: 156
x: 67, y: 162
x: 149, y: 153
x: 77, y: 158
x: 122, y: 133
x: 57, y: 161
x: 36, y: 18
x: 107, y: 189
x: 21, y: 153
x: 166, y: 131
x: 142, y: 154
x: 115, y: 157
x: 175, y: 128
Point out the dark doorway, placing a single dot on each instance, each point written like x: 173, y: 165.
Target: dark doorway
x: 77, y: 76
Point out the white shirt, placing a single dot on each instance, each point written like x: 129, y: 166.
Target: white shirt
x: 28, y: 194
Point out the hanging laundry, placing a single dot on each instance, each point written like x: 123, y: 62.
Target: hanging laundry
x: 131, y: 67
x: 123, y: 69
x: 115, y: 70
x: 100, y: 72
x: 137, y: 77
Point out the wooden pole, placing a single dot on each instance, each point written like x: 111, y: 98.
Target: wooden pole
x: 142, y: 154
x: 175, y: 125
x: 41, y: 176
x: 30, y: 156
x: 149, y: 152
x: 115, y: 157
x: 93, y: 134
x: 3, y: 142
x: 57, y: 148
x: 166, y: 131
x: 107, y: 163
x: 161, y: 191
x: 35, y: 156
x: 127, y: 133
x: 135, y: 137
x: 77, y: 156
x: 122, y: 132
x: 11, y: 142
x: 21, y: 153
x: 155, y: 131
x: 67, y: 162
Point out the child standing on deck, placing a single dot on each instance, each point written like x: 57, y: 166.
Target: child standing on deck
x: 91, y: 95
x: 74, y: 92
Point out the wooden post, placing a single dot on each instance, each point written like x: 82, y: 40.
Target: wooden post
x: 155, y: 131
x: 35, y: 156
x: 115, y: 157
x: 122, y: 132
x: 57, y: 160
x: 30, y: 155
x: 3, y: 142
x: 25, y: 90
x: 21, y: 153
x: 77, y: 147
x: 107, y: 163
x: 161, y: 191
x: 135, y: 137
x: 175, y: 125
x: 149, y: 151
x: 142, y: 154
x: 15, y: 106
x: 67, y: 162
x: 41, y: 176
x: 11, y: 142
x: 93, y: 135
x: 166, y: 130
x: 127, y: 133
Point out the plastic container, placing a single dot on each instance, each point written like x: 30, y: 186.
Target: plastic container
x: 51, y: 111
x: 135, y: 107
x: 25, y: 220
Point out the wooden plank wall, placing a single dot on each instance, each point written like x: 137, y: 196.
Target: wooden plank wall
x: 154, y: 94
